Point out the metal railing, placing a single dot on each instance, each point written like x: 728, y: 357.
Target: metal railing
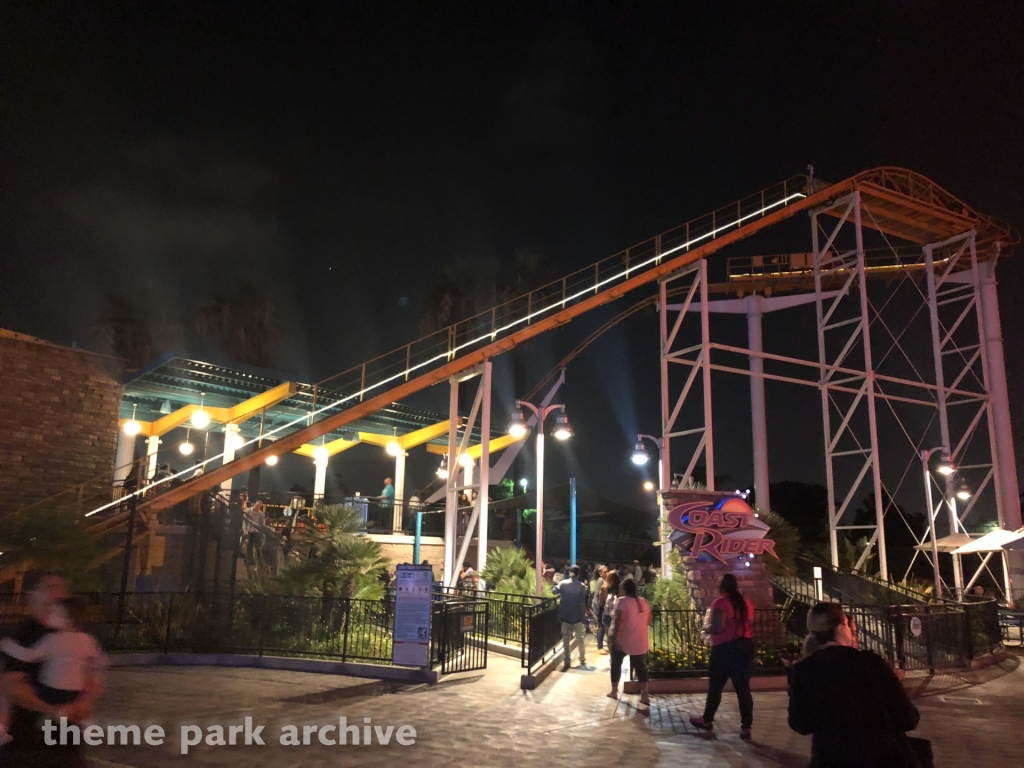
x: 542, y: 632
x: 377, y: 376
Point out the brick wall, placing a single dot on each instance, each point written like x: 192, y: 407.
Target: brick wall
x: 58, y: 421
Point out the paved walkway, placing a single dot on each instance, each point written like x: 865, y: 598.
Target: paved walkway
x: 485, y: 720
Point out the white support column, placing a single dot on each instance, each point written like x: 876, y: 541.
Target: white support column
x: 705, y: 340
x: 883, y: 561
x: 1001, y: 431
x: 320, y: 480
x: 484, y: 476
x: 451, y: 516
x: 231, y: 438
x: 666, y: 444
x: 399, y: 507
x: 758, y: 418
x: 826, y: 414
x: 152, y: 448
x: 124, y: 458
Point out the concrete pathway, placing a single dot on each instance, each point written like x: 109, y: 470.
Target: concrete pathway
x: 485, y: 720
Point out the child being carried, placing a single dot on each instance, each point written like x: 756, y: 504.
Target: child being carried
x: 70, y: 658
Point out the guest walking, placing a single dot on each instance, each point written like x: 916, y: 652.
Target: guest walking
x: 730, y: 626
x: 629, y: 637
x: 850, y: 701
x: 571, y: 608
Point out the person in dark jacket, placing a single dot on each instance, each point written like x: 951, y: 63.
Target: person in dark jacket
x: 849, y: 700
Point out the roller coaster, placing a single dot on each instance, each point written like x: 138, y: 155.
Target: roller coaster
x: 909, y: 212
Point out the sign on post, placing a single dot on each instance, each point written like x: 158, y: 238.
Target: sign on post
x: 413, y: 601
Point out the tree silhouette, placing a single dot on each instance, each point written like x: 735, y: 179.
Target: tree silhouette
x: 243, y: 320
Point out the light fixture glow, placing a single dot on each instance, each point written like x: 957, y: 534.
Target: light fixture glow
x: 466, y: 460
x: 640, y: 456
x: 233, y: 441
x: 648, y: 486
x: 393, y: 448
x: 524, y: 482
x: 320, y: 453
x: 186, y: 448
x: 517, y: 427
x: 200, y: 419
x: 271, y: 460
x: 562, y: 430
x: 945, y: 466
x: 442, y: 470
x: 963, y: 491
x: 132, y: 427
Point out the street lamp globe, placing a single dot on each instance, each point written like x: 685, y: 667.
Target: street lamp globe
x: 524, y: 482
x: 393, y: 448
x: 321, y: 453
x: 640, y: 457
x: 562, y: 430
x: 963, y: 491
x: 132, y: 428
x: 185, y: 448
x: 945, y: 466
x: 271, y: 460
x: 200, y: 419
x: 648, y: 486
x: 517, y: 425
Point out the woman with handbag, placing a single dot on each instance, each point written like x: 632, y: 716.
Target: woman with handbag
x: 851, y: 701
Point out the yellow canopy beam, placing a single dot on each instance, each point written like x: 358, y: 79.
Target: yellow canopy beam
x: 333, y: 447
x: 233, y: 415
x: 474, y: 451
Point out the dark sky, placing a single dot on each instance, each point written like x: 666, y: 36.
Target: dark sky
x: 344, y: 154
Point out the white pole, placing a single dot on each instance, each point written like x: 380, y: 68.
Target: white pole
x: 399, y: 508
x: 665, y: 457
x: 540, y: 504
x: 883, y: 559
x: 932, y: 515
x: 152, y: 448
x: 450, y: 503
x: 125, y: 457
x: 833, y: 534
x: 705, y: 339
x: 320, y: 480
x: 758, y: 419
x: 1002, y: 428
x: 484, y: 476
x: 230, y: 434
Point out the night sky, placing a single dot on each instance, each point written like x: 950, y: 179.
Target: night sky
x: 346, y: 155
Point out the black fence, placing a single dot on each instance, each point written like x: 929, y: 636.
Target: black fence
x: 459, y: 635
x: 910, y: 637
x: 505, y: 611
x: 542, y: 632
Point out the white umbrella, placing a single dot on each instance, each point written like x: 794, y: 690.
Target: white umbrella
x: 996, y: 541
x: 947, y: 543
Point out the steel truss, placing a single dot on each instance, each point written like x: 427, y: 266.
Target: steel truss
x: 868, y: 370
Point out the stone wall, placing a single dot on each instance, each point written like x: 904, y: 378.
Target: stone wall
x: 58, y: 422
x: 753, y: 581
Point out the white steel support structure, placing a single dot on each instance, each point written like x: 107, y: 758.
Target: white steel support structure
x: 844, y: 440
x: 671, y: 407
x: 468, y: 483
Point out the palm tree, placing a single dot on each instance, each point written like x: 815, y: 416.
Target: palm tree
x: 244, y: 321
x: 337, y: 561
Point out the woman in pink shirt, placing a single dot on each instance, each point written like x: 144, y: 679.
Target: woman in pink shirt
x: 730, y: 623
x: 628, y: 637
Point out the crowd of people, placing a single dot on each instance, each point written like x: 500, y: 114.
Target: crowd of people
x: 849, y: 700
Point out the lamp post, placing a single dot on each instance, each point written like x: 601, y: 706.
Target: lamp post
x: 640, y: 458
x: 562, y: 431
x: 945, y: 468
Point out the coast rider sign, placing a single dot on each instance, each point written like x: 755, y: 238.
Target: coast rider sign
x: 714, y: 526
